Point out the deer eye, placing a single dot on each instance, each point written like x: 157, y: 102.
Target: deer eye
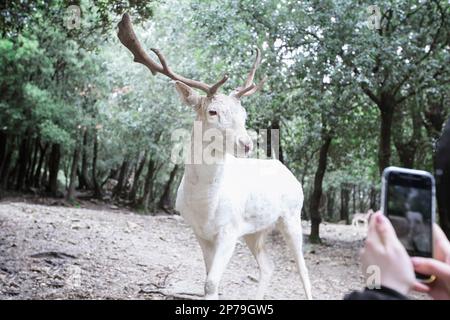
x: 212, y: 113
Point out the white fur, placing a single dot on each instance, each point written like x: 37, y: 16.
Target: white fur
x: 236, y: 198
x: 359, y: 218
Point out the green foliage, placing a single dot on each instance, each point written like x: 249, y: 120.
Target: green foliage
x: 327, y: 72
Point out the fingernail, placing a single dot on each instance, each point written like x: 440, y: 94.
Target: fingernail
x: 379, y: 219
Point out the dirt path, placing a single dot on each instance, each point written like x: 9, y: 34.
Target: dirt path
x: 49, y: 252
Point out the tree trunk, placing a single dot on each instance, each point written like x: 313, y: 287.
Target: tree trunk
x: 84, y: 182
x: 24, y: 154
x: 11, y: 178
x: 53, y: 165
x: 97, y: 189
x: 6, y: 164
x: 330, y: 204
x: 362, y: 196
x: 3, y: 143
x: 121, y: 180
x: 307, y: 199
x: 37, y: 173
x: 434, y: 118
x: 384, y: 151
x: 73, y: 173
x: 148, y: 185
x: 373, y: 199
x: 406, y: 154
x: 345, y: 199
x: 31, y: 168
x: 316, y: 219
x: 442, y: 169
x: 165, y: 202
x: 354, y: 190
x: 407, y: 147
x: 137, y: 175
x: 66, y: 170
x: 44, y: 177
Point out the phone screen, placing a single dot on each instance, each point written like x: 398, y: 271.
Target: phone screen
x: 409, y: 207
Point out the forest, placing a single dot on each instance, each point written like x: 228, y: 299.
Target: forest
x: 80, y: 120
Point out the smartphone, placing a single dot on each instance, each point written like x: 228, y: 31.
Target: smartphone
x: 408, y: 200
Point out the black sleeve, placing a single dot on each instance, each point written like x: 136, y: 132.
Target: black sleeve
x: 383, y: 293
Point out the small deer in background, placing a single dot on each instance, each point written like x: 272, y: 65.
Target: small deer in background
x: 233, y: 197
x: 363, y: 218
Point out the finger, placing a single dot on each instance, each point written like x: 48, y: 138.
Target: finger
x: 371, y: 214
x: 385, y: 230
x: 372, y: 225
x: 441, y: 245
x: 430, y: 266
x: 373, y: 240
x: 421, y: 287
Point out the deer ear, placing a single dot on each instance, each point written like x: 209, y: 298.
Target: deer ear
x: 187, y: 95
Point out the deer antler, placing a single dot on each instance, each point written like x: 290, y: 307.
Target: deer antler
x: 128, y: 38
x: 249, y: 87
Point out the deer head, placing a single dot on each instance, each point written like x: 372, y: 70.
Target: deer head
x: 215, y: 110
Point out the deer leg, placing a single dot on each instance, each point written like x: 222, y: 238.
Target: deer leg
x: 207, y: 250
x: 292, y: 231
x: 223, y: 248
x: 255, y: 243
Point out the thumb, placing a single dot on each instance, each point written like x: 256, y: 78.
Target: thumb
x: 385, y: 229
x: 430, y: 266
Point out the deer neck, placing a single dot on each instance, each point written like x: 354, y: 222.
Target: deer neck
x: 198, y: 172
x: 203, y: 175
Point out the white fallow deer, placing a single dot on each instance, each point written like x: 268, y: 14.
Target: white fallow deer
x: 233, y: 197
x: 363, y: 218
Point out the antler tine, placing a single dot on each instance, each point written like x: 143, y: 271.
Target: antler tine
x: 128, y: 38
x: 162, y: 59
x: 243, y: 91
x: 249, y: 87
x: 251, y: 74
x: 217, y: 85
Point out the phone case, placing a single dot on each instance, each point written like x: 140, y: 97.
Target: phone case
x: 386, y: 173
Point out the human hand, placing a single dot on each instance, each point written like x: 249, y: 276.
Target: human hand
x: 384, y: 250
x: 439, y: 267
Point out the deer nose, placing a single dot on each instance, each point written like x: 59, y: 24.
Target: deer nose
x: 246, y: 143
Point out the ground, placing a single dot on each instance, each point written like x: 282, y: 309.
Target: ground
x: 57, y: 252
